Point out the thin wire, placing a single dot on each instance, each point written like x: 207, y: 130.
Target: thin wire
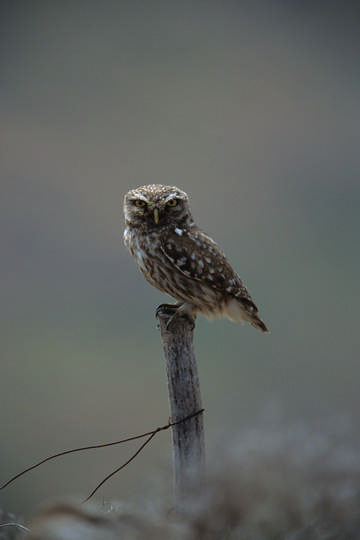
x: 170, y: 424
x: 92, y: 447
x: 103, y: 445
x: 122, y: 466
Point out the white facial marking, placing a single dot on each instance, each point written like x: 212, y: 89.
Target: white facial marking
x: 179, y: 231
x: 140, y: 196
x: 172, y: 195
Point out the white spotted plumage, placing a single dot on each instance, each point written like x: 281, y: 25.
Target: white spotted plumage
x: 176, y: 257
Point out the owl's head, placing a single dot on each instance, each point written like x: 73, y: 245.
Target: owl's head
x: 155, y: 206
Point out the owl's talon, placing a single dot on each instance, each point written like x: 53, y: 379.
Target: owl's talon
x: 166, y: 309
x: 174, y: 311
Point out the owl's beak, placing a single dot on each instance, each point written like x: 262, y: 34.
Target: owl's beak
x: 156, y: 215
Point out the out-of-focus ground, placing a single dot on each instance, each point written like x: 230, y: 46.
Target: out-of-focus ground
x: 253, y: 109
x: 266, y: 483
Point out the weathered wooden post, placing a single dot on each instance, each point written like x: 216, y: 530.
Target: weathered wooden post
x: 184, y: 395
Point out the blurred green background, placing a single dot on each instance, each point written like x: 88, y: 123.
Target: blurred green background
x: 250, y: 107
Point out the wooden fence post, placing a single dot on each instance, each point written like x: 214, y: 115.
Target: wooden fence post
x: 185, y: 399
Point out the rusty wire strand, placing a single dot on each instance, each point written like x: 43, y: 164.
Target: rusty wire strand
x: 122, y: 466
x: 149, y: 434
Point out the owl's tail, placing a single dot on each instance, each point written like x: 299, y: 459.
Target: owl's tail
x: 244, y: 309
x: 251, y: 316
x: 256, y: 322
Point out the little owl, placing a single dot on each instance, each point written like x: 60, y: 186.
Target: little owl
x: 178, y: 258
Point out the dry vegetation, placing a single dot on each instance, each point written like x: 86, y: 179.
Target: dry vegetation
x: 273, y: 485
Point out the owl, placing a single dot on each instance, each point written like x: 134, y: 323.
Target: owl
x: 178, y: 258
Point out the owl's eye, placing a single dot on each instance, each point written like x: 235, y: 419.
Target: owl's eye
x: 172, y: 202
x: 139, y: 203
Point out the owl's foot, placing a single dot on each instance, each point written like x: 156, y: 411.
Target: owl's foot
x: 173, y: 311
x: 166, y: 309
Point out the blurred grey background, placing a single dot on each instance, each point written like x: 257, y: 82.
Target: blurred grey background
x: 250, y: 107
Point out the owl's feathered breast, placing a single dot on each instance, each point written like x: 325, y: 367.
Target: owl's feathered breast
x: 187, y: 264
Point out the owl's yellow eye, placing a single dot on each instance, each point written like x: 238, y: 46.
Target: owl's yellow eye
x: 172, y: 202
x: 139, y: 203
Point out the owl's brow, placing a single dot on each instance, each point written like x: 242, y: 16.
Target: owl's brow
x: 136, y: 196
x: 174, y: 195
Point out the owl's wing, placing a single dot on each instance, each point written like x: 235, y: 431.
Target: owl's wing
x: 199, y: 258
